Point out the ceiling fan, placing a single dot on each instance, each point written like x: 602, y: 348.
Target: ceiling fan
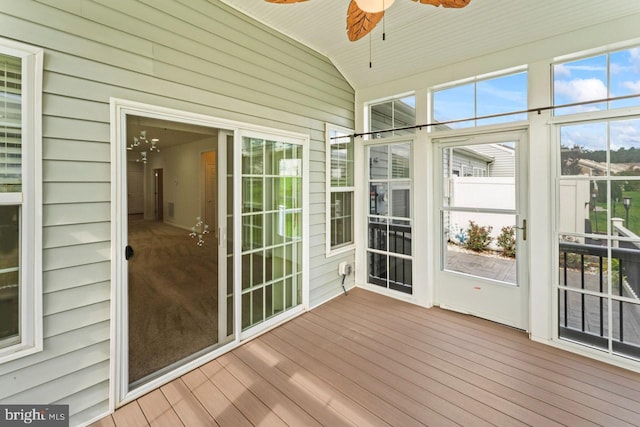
x: 363, y: 15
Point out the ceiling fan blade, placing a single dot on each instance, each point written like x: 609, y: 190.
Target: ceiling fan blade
x: 284, y: 1
x: 445, y: 3
x: 360, y: 23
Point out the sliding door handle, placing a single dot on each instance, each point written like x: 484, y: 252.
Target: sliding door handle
x: 128, y: 252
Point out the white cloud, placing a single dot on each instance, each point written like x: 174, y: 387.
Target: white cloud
x: 579, y: 90
x: 633, y: 86
x: 565, y: 70
x: 587, y: 67
x: 617, y: 68
x: 590, y: 138
x: 561, y: 70
x: 625, y: 133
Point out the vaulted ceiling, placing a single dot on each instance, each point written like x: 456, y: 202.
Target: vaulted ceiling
x: 420, y: 37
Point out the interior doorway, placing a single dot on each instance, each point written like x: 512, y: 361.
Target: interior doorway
x: 135, y: 189
x: 158, y: 193
x: 173, y: 270
x: 209, y: 196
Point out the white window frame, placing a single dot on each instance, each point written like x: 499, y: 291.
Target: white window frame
x: 30, y: 202
x: 479, y: 172
x: 331, y: 250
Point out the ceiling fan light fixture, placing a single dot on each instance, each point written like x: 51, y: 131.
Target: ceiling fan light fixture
x: 374, y: 6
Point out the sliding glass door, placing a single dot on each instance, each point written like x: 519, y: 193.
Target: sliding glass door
x: 177, y: 289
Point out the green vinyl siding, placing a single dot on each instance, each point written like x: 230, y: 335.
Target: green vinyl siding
x: 199, y: 56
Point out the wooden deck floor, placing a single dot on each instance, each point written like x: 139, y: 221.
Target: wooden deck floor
x: 367, y: 360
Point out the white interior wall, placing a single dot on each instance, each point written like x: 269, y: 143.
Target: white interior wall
x: 182, y: 181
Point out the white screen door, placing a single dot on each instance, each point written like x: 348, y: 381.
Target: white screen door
x: 482, y: 228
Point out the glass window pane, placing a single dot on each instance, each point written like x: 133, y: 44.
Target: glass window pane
x: 624, y: 70
x: 401, y: 199
x: 378, y: 234
x: 10, y: 124
x: 341, y: 161
x: 400, y: 160
x: 379, y: 162
x: 626, y: 317
x: 400, y: 275
x: 274, y: 152
x: 341, y: 218
x: 272, y: 231
x: 502, y: 95
x: 481, y: 244
x: 624, y: 146
x: 378, y: 198
x: 389, y: 203
x: 579, y: 81
x: 583, y: 149
x: 377, y: 268
x: 404, y: 115
x: 498, y: 95
x: 381, y: 117
x: 397, y: 113
x: 399, y: 237
x: 454, y: 104
x: 272, y: 219
x: 9, y: 274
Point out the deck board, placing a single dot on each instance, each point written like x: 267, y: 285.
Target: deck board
x: 365, y: 359
x: 188, y: 408
x: 211, y: 398
x: 130, y: 415
x: 158, y: 411
x: 248, y: 360
x: 388, y: 380
x: 486, y: 363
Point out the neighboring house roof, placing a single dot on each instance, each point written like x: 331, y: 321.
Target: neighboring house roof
x: 602, y: 167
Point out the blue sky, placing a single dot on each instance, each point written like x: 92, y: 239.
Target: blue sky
x: 498, y: 95
x: 602, y: 76
x: 590, y: 79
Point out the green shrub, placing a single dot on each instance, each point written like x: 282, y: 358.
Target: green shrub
x: 478, y: 238
x: 507, y: 241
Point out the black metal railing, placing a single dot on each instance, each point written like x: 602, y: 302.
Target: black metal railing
x: 398, y: 274
x: 581, y: 317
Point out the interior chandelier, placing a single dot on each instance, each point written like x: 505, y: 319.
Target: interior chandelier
x: 144, y: 144
x: 364, y: 15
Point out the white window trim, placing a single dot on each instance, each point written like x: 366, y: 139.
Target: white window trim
x: 31, y: 335
x: 330, y: 250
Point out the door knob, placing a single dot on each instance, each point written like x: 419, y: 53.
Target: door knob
x: 523, y: 228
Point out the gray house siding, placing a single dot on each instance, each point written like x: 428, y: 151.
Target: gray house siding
x: 503, y: 164
x: 195, y: 55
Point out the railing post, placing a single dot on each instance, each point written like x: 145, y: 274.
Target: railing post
x: 582, y: 296
x: 620, y: 279
x: 566, y: 295
x: 616, y: 223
